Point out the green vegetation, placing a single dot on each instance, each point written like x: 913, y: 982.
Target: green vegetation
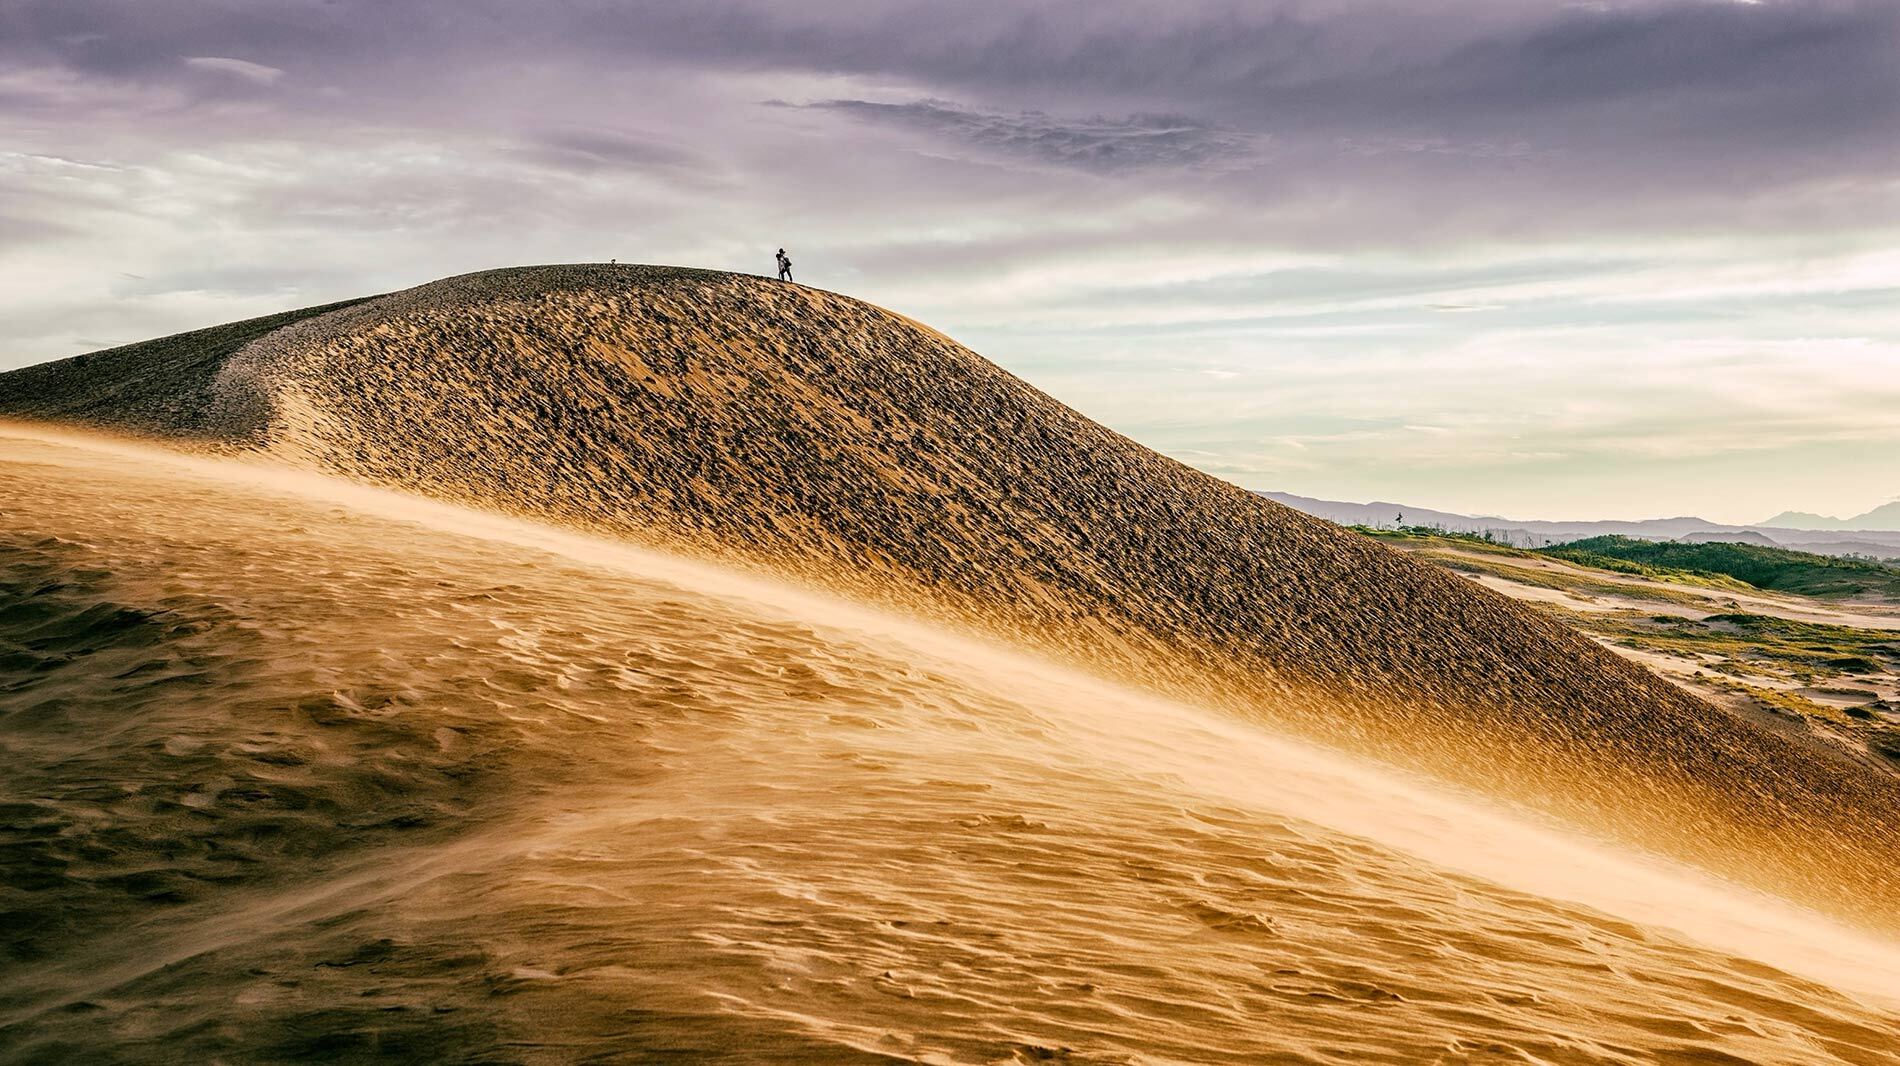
x: 1784, y: 666
x: 1791, y: 704
x: 1836, y: 680
x: 1481, y: 541
x: 1471, y: 553
x: 1575, y: 582
x: 1806, y: 651
x: 1772, y: 569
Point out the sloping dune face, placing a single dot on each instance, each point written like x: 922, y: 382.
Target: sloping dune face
x: 812, y: 435
x: 296, y: 772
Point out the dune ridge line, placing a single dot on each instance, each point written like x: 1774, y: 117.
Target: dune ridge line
x: 807, y: 434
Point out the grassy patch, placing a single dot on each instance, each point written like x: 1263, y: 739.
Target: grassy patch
x: 1806, y: 649
x: 1471, y: 541
x: 1752, y: 565
x: 1572, y: 581
x: 1743, y: 660
x: 1789, y: 703
x: 1470, y: 553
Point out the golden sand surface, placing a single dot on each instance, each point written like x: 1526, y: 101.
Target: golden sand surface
x: 293, y: 770
x: 804, y: 434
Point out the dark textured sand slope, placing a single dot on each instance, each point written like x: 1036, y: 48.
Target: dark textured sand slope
x: 296, y: 773
x: 815, y: 435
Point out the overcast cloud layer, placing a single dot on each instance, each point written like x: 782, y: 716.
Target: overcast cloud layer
x: 1543, y: 259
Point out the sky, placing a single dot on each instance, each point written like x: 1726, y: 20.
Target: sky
x: 1625, y: 258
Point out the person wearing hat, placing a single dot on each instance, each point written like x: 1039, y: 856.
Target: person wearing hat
x: 784, y: 266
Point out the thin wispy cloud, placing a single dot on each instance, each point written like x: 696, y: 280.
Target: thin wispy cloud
x: 1390, y: 212
x: 256, y: 73
x: 1099, y: 144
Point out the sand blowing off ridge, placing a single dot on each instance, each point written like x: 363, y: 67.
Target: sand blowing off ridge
x: 811, y: 435
x: 307, y: 772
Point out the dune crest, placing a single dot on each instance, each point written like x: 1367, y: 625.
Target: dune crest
x: 805, y: 433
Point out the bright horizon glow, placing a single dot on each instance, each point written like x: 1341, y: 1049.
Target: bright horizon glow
x: 1488, y: 257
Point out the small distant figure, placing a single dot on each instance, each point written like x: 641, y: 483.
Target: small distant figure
x: 613, y: 262
x: 784, y: 266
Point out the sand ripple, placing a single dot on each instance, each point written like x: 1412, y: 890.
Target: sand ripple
x: 290, y: 781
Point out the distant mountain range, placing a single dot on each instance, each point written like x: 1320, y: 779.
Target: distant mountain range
x: 1884, y: 517
x: 1879, y: 543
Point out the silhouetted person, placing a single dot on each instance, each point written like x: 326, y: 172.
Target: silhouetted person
x: 784, y: 266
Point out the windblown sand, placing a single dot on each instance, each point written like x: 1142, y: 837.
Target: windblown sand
x: 297, y: 772
x: 801, y: 433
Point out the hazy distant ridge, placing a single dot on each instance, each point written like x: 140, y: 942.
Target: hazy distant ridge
x: 1538, y: 534
x: 1884, y: 517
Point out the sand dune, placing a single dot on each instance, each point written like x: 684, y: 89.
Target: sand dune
x: 806, y: 434
x: 300, y: 771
